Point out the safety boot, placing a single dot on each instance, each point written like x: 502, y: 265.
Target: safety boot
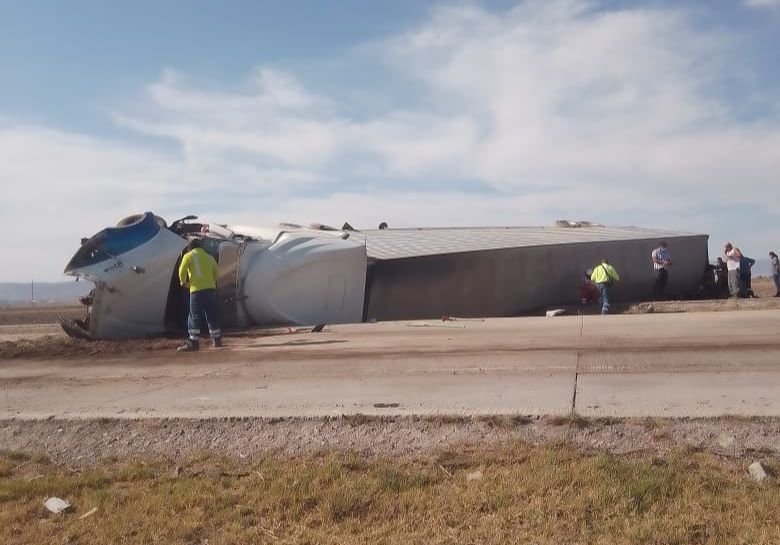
x: 190, y: 346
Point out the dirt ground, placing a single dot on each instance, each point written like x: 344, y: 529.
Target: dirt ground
x: 39, y: 341
x: 86, y: 442
x: 60, y: 346
x: 763, y: 287
x: 34, y: 333
x: 39, y: 314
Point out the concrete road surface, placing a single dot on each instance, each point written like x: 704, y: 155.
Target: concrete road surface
x: 672, y: 365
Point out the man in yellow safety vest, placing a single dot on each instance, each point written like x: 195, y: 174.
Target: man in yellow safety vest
x: 199, y: 272
x: 604, y: 275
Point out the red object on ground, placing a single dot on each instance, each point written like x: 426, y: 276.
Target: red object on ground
x: 588, y: 292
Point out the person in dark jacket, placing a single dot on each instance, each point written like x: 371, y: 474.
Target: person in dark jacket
x: 745, y: 276
x: 721, y: 278
x: 774, y: 268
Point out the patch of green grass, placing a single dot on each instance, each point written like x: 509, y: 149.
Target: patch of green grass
x: 505, y: 421
x: 443, y: 419
x: 350, y: 500
x: 574, y: 420
x: 641, y: 484
x: 15, y: 455
x: 361, y: 419
x: 557, y: 420
x: 547, y: 494
x: 652, y: 424
x: 521, y: 419
x: 398, y: 480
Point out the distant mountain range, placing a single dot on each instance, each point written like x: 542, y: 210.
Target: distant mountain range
x: 44, y: 292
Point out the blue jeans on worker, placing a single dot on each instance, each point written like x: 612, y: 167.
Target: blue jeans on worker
x: 776, y: 278
x: 603, y: 286
x: 203, y: 305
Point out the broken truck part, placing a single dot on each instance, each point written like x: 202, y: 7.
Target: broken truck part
x: 294, y: 275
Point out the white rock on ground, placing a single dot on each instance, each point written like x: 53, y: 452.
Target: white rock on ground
x: 757, y: 471
x: 56, y: 505
x: 476, y: 476
x: 725, y: 440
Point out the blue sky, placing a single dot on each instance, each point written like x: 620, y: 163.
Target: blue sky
x: 661, y: 114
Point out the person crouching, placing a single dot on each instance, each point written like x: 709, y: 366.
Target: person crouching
x: 604, y: 275
x: 199, y: 272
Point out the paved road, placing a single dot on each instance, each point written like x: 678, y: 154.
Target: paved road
x: 688, y: 364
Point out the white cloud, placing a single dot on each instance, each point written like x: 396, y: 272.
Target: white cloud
x: 60, y: 186
x: 762, y: 3
x: 554, y: 108
x: 547, y: 94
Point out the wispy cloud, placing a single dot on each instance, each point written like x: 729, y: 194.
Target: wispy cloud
x: 556, y: 98
x: 549, y: 109
x: 762, y: 3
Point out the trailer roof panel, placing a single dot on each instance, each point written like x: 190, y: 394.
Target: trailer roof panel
x: 418, y: 242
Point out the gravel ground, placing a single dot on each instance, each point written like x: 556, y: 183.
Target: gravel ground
x: 85, y: 442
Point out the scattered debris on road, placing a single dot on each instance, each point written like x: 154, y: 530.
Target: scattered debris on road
x: 88, y: 513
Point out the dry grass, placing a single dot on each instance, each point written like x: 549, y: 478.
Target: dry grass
x: 573, y: 420
x: 550, y: 494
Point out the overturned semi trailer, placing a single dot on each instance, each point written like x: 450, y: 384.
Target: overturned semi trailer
x: 506, y: 271
x: 294, y: 275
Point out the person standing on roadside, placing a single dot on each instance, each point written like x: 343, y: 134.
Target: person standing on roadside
x: 774, y: 267
x: 745, y: 276
x: 199, y: 272
x: 662, y: 260
x: 721, y: 278
x: 604, y: 275
x: 733, y: 257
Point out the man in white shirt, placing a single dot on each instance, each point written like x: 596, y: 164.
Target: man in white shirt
x: 662, y: 260
x: 733, y: 256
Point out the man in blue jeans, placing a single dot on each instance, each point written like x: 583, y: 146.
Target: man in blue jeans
x: 604, y: 275
x: 774, y: 268
x: 199, y: 272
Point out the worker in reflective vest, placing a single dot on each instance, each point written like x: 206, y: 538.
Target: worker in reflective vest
x: 604, y: 275
x: 199, y: 272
